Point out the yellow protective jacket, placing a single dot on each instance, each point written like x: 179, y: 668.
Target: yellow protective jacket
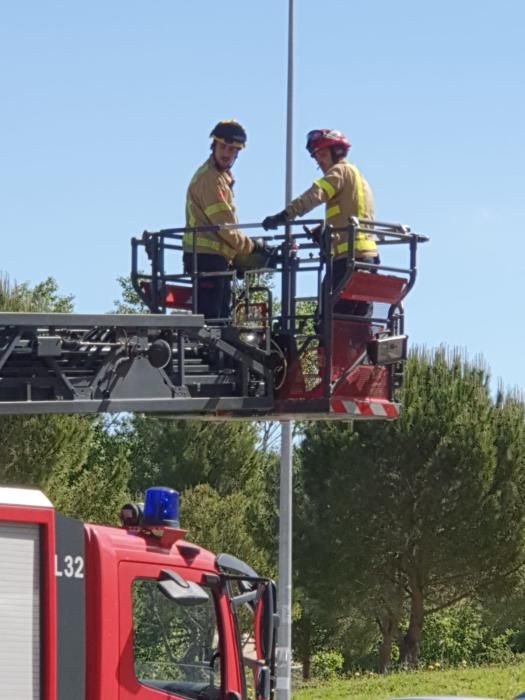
x: 346, y: 193
x: 209, y: 201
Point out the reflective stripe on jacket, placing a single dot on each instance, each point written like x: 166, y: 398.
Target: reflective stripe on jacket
x: 346, y: 193
x: 209, y: 202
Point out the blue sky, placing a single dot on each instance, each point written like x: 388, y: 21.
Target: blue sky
x: 106, y: 109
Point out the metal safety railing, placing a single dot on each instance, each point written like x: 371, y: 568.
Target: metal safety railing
x: 303, y: 320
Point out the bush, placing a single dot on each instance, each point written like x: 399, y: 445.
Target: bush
x: 327, y: 665
x: 459, y: 636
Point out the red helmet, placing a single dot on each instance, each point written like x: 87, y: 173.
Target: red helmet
x: 327, y: 138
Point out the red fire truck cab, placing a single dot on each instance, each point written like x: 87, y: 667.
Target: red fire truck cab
x: 90, y: 612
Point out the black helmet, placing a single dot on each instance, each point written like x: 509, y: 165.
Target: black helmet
x: 230, y: 132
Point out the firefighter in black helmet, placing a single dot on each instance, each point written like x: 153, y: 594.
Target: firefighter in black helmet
x: 210, y: 202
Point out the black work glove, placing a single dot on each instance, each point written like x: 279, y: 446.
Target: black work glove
x: 259, y: 245
x: 268, y: 254
x: 272, y: 222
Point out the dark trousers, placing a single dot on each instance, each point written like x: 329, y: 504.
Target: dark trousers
x: 213, y: 293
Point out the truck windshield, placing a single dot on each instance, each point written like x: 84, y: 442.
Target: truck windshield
x: 176, y: 648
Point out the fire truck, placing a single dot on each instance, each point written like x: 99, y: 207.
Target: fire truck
x: 89, y: 612
x: 295, y: 358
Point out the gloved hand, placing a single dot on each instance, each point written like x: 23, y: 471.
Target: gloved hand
x: 259, y: 245
x: 272, y: 222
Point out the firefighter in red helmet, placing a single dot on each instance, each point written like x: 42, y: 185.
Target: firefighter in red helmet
x: 210, y: 202
x: 346, y: 194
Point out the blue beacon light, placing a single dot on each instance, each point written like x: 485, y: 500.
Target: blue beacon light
x: 161, y: 507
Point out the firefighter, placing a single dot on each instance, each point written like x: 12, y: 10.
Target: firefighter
x: 210, y: 202
x: 346, y: 193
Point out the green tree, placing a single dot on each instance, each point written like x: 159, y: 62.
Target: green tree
x: 227, y: 457
x: 82, y: 467
x: 95, y: 487
x: 422, y: 511
x: 463, y: 635
x: 130, y: 303
x: 342, y: 574
x: 222, y: 523
x: 44, y: 296
x: 188, y: 453
x: 504, y: 600
x: 32, y: 446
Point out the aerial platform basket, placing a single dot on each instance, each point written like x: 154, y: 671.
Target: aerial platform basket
x: 292, y: 358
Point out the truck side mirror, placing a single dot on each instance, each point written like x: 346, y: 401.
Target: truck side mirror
x: 265, y: 623
x: 180, y: 591
x: 263, y: 686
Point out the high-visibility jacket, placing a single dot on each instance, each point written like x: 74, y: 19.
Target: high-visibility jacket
x: 209, y: 201
x: 346, y: 193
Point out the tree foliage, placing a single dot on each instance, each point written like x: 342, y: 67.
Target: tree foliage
x: 130, y: 303
x: 82, y: 469
x: 32, y: 446
x: 223, y: 523
x: 44, y: 296
x: 94, y: 487
x: 223, y: 456
x: 460, y: 635
x: 419, y: 513
x: 192, y: 452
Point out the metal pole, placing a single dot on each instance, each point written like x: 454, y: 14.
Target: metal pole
x: 284, y: 595
x: 289, y: 107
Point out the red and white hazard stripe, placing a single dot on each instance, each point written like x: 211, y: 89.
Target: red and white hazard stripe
x: 366, y: 409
